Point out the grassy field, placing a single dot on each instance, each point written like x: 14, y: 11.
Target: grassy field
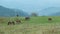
x: 36, y: 25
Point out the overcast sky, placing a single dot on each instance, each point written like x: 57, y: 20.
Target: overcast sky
x: 30, y: 5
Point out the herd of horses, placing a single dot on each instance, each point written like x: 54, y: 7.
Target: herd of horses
x: 19, y: 21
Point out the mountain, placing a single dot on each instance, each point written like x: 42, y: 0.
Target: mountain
x: 11, y: 12
x: 55, y: 14
x: 50, y: 11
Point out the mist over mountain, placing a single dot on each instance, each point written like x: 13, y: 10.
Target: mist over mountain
x: 55, y: 14
x: 51, y: 11
x: 11, y: 12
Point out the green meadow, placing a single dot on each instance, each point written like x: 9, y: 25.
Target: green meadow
x: 35, y: 25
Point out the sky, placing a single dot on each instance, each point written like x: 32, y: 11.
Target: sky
x: 30, y: 5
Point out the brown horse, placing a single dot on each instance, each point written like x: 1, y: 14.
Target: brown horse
x: 18, y: 21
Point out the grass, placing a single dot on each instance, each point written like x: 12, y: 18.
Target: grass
x: 36, y: 25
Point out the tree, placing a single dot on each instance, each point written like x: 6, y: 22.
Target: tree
x: 34, y: 14
x: 17, y: 15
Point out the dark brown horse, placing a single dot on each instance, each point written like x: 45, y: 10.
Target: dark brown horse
x: 49, y: 19
x: 27, y: 18
x: 11, y: 22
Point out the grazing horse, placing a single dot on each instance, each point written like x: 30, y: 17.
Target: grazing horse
x: 10, y: 23
x: 27, y: 18
x: 49, y: 19
x: 13, y: 22
x: 18, y: 21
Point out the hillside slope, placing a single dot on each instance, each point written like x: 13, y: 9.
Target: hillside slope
x: 11, y: 12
